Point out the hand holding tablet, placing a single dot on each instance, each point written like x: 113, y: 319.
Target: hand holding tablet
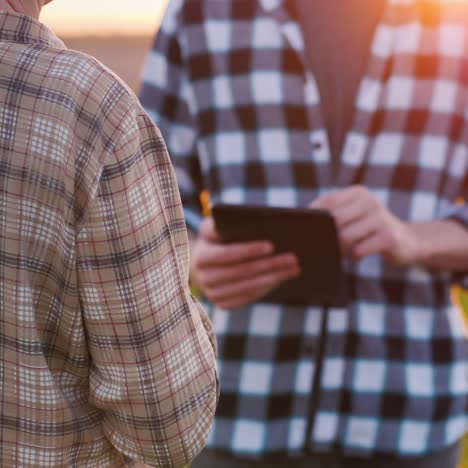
x: 309, y: 234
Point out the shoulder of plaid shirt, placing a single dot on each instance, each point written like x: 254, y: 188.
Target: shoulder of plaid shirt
x: 226, y: 83
x: 108, y: 355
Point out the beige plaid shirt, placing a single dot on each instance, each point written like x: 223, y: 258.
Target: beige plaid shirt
x: 104, y: 354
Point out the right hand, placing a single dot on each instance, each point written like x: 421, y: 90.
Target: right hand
x: 233, y: 275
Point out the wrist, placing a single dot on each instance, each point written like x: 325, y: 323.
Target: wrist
x: 413, y: 250
x: 419, y: 250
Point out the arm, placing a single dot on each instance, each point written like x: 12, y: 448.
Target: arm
x: 153, y: 371
x: 366, y: 227
x: 442, y: 245
x: 166, y: 95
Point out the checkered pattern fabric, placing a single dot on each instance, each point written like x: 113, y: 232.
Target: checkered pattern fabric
x: 228, y: 84
x: 104, y: 355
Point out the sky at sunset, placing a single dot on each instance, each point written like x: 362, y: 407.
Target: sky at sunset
x: 82, y: 17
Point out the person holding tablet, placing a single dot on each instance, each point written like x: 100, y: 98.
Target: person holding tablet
x: 354, y: 107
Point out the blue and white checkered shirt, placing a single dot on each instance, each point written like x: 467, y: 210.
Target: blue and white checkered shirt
x: 228, y: 84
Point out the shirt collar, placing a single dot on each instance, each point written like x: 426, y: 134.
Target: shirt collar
x: 23, y: 29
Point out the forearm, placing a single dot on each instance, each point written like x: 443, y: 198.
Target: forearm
x: 441, y: 245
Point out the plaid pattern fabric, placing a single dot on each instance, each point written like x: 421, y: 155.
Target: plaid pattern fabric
x: 104, y: 355
x: 229, y: 86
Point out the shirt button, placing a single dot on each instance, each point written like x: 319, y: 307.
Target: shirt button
x: 319, y: 143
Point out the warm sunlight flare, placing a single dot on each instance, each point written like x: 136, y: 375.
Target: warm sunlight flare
x: 103, y: 17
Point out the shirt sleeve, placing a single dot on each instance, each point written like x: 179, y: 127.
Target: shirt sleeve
x: 153, y: 364
x: 168, y: 98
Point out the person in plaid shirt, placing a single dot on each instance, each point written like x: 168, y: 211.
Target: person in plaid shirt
x: 105, y: 357
x: 357, y: 107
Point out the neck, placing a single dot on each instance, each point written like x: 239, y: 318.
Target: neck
x: 25, y: 7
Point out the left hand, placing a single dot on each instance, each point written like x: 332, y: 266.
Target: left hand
x: 366, y: 227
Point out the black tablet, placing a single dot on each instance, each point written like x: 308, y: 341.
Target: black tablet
x: 310, y: 234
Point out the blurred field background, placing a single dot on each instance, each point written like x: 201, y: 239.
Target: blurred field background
x: 124, y: 55
x: 119, y: 33
x: 461, y: 297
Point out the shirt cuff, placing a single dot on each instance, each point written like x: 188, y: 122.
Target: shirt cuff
x: 455, y: 212
x: 193, y: 219
x: 459, y: 214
